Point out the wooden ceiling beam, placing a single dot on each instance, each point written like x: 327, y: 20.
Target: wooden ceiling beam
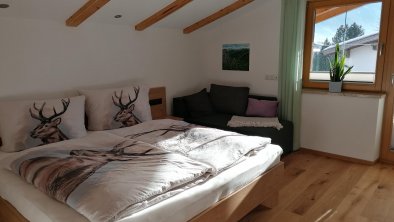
x: 327, y: 13
x: 85, y: 12
x: 217, y: 15
x: 169, y: 9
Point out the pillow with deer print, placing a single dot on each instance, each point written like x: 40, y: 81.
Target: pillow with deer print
x: 26, y: 124
x: 115, y: 108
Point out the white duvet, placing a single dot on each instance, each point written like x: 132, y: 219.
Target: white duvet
x: 133, y: 167
x: 218, y: 148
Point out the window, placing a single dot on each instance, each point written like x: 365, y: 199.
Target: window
x: 360, y: 28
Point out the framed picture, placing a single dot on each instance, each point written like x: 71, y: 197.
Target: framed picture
x: 236, y: 57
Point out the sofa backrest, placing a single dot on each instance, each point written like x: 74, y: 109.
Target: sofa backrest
x: 179, y: 107
x: 270, y: 98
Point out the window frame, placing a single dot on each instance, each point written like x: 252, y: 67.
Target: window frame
x: 312, y: 5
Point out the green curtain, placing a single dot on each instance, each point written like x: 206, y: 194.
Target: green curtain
x: 290, y: 70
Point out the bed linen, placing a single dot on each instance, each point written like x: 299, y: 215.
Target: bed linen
x: 38, y: 207
x: 251, y: 166
x: 217, y: 148
x: 106, y: 183
x: 29, y: 123
x: 4, y: 155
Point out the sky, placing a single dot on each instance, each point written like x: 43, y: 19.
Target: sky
x: 368, y: 16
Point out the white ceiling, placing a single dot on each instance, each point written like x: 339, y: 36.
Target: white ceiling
x: 133, y: 11
x: 58, y: 10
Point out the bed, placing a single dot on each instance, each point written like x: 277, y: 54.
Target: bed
x: 228, y: 196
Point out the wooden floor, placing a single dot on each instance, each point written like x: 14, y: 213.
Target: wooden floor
x: 317, y: 188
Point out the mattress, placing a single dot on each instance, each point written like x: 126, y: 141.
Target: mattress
x: 36, y: 206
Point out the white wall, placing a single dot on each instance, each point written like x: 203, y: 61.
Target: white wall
x: 346, y: 124
x: 38, y: 57
x: 258, y: 24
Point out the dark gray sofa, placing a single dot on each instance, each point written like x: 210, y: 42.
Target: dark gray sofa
x: 283, y: 137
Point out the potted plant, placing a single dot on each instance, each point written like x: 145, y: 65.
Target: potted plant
x: 337, y: 71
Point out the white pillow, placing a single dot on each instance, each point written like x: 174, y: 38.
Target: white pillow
x: 117, y: 107
x: 26, y: 124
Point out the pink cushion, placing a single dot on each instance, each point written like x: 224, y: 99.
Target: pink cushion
x: 263, y: 108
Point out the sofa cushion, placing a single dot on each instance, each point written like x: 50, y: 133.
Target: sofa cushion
x: 199, y: 104
x: 179, y: 107
x: 270, y: 98
x: 263, y: 108
x: 216, y: 121
x: 228, y: 99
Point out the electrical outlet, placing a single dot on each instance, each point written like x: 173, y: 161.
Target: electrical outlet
x: 271, y: 77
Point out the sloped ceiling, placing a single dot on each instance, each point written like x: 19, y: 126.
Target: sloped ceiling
x: 58, y: 10
x: 132, y: 11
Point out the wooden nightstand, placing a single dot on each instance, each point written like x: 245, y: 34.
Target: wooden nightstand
x: 174, y: 118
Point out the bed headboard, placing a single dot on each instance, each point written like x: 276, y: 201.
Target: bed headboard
x: 158, y: 102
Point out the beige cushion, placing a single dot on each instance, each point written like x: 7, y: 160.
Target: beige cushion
x: 22, y: 126
x: 117, y: 107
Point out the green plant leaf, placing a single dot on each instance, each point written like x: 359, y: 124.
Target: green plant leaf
x: 338, y: 66
x: 347, y: 72
x: 342, y: 61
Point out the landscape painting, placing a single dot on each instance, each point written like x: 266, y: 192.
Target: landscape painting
x: 236, y: 57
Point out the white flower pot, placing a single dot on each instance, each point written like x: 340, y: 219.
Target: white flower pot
x: 335, y: 87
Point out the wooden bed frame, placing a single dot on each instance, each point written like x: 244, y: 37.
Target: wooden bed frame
x: 261, y: 191
x: 158, y: 102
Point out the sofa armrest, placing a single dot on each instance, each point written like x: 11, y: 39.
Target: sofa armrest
x: 179, y: 108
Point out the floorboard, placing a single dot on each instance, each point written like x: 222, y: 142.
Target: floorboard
x: 317, y: 188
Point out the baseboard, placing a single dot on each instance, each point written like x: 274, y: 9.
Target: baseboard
x: 340, y: 157
x: 386, y: 161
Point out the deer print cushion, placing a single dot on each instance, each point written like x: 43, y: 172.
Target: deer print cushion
x: 26, y: 124
x: 115, y: 108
